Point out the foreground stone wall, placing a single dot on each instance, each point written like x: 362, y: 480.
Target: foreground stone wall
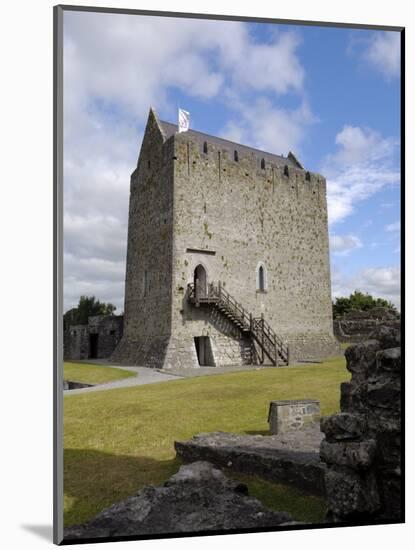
x: 356, y: 326
x: 362, y: 445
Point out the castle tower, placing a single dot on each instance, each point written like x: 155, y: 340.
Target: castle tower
x: 225, y: 216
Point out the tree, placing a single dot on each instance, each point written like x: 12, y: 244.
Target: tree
x: 87, y: 307
x: 358, y: 301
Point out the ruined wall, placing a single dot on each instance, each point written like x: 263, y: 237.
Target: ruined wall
x: 356, y: 326
x: 77, y: 339
x: 76, y: 342
x: 236, y: 214
x: 109, y: 329
x: 147, y: 309
x: 362, y: 445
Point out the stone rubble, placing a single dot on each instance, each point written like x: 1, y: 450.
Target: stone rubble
x: 362, y: 445
x: 198, y: 498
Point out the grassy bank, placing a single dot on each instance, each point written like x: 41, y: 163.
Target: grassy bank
x: 117, y: 441
x: 93, y: 374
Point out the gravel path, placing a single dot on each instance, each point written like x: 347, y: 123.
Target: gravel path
x: 144, y: 376
x: 151, y: 376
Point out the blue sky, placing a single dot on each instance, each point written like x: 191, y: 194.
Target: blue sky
x: 330, y: 95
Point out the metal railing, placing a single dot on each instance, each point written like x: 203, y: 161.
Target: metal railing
x: 269, y: 343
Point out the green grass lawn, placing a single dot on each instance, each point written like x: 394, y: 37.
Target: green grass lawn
x: 93, y: 374
x: 119, y: 440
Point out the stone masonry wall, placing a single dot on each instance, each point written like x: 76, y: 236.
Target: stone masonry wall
x: 147, y: 308
x: 76, y: 342
x: 232, y: 215
x: 362, y: 445
x: 188, y: 207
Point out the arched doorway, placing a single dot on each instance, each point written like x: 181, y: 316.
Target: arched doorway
x: 200, y: 281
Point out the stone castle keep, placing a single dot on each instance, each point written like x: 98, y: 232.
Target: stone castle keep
x: 227, y: 257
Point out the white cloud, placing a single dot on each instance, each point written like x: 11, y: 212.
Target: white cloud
x: 384, y: 54
x: 115, y: 67
x: 362, y: 165
x: 342, y: 245
x: 393, y: 227
x: 380, y: 282
x: 263, y: 125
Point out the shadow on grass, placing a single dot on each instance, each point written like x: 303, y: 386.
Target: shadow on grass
x: 93, y: 480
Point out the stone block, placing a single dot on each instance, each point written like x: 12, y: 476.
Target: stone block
x: 389, y: 360
x: 343, y: 426
x: 354, y: 454
x: 351, y: 495
x: 289, y: 415
x: 361, y: 359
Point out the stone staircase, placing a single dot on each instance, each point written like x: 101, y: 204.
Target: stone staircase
x: 259, y: 331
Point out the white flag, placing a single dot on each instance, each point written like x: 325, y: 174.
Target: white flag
x: 184, y: 120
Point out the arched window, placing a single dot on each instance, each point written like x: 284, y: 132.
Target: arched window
x: 262, y: 164
x: 205, y: 147
x: 261, y: 278
x: 200, y: 282
x: 235, y: 156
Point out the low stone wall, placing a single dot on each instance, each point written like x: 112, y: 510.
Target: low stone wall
x: 285, y: 416
x: 291, y: 458
x: 356, y: 326
x: 362, y: 445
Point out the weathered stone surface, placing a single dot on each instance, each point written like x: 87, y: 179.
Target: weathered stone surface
x: 362, y: 447
x: 355, y: 454
x: 288, y: 415
x: 345, y: 395
x: 351, y: 495
x: 384, y: 393
x: 388, y: 336
x: 343, y: 426
x: 198, y: 498
x: 361, y: 359
x: 389, y: 360
x: 291, y: 457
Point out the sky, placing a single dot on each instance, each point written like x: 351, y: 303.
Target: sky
x: 330, y: 95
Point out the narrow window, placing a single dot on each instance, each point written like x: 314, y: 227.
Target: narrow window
x: 261, y: 280
x: 148, y: 164
x: 235, y: 156
x: 263, y: 164
x: 205, y: 147
x: 145, y: 283
x: 286, y: 172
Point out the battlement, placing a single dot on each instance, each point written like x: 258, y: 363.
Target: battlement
x: 194, y: 151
